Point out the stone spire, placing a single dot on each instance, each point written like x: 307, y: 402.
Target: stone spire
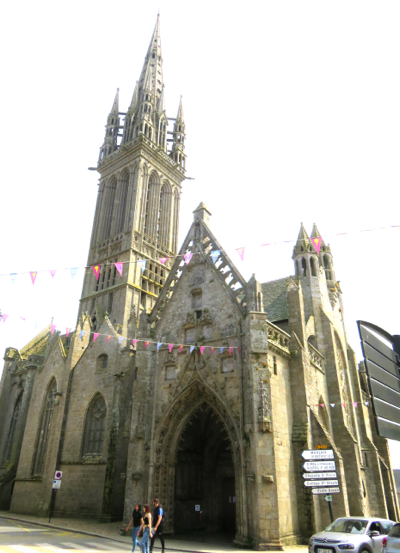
x: 179, y: 116
x: 178, y: 143
x: 112, y: 128
x: 152, y: 71
x: 303, y: 242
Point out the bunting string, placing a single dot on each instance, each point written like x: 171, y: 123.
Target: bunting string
x: 354, y: 403
x: 186, y: 257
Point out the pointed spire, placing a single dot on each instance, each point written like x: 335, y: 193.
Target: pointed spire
x: 315, y: 234
x: 303, y: 242
x: 179, y: 117
x: 135, y: 98
x: 152, y: 71
x: 115, y: 106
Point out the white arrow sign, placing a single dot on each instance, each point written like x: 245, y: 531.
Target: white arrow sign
x: 319, y: 491
x: 310, y: 475
x: 318, y: 483
x: 317, y: 454
x: 319, y: 466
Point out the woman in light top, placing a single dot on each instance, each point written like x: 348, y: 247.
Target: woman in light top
x: 146, y: 525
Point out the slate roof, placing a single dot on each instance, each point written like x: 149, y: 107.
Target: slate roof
x: 274, y: 298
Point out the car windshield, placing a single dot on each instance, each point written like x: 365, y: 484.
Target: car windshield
x: 395, y: 531
x: 348, y: 526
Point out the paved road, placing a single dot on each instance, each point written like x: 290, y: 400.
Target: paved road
x: 18, y: 537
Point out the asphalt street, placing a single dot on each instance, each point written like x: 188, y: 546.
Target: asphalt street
x: 18, y: 537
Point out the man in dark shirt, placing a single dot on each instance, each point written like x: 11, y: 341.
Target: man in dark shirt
x: 158, y: 518
x: 137, y: 522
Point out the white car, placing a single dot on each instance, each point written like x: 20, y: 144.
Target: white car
x: 355, y: 534
x: 391, y: 542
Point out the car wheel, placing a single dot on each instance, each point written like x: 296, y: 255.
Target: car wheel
x: 364, y: 551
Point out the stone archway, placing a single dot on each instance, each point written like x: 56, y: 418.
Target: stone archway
x: 165, y: 463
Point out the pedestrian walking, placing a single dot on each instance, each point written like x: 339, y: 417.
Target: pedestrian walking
x: 146, y: 526
x: 136, y: 521
x: 158, y: 530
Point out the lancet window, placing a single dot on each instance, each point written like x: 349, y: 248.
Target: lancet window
x: 95, y: 426
x: 45, y: 425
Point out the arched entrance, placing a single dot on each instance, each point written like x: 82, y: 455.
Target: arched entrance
x: 205, y: 497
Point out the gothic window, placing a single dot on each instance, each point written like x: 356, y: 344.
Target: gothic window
x: 101, y: 363
x: 176, y: 220
x: 160, y: 206
x: 95, y: 427
x: 327, y: 267
x: 313, y: 268
x: 122, y: 202
x: 13, y: 426
x: 44, y: 430
x: 147, y: 206
x: 304, y: 266
x: 109, y: 207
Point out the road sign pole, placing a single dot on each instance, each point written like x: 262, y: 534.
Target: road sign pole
x: 52, y: 501
x: 330, y: 510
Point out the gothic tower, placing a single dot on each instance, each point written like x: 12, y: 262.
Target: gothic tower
x: 137, y: 210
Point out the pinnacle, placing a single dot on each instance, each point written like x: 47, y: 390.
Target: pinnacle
x: 200, y: 207
x: 179, y: 117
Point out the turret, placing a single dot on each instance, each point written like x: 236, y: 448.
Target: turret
x: 325, y: 256
x: 130, y: 116
x: 178, y: 141
x: 110, y: 140
x: 305, y: 255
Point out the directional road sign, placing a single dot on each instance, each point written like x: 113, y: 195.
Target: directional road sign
x: 319, y: 466
x: 309, y: 475
x: 319, y: 491
x: 317, y: 454
x: 319, y: 483
x: 328, y: 498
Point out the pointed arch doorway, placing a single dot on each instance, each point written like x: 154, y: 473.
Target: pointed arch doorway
x: 204, y: 490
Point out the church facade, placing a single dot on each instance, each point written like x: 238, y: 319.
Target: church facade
x: 214, y: 428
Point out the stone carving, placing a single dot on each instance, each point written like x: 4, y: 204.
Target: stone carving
x: 264, y: 418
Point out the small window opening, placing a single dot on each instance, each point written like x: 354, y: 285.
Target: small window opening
x: 304, y: 266
x: 199, y: 314
x: 313, y: 268
x: 275, y: 365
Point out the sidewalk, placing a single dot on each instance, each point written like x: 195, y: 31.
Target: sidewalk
x: 111, y: 531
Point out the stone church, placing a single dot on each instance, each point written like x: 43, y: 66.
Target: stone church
x: 215, y: 434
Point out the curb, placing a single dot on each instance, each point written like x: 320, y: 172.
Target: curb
x: 47, y: 525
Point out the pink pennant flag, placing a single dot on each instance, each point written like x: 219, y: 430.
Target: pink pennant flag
x: 317, y: 243
x: 240, y: 252
x: 180, y: 349
x: 134, y: 342
x: 211, y: 350
x: 146, y: 344
x: 163, y: 260
x: 4, y: 317
x: 52, y: 328
x: 96, y: 270
x: 108, y: 337
x: 343, y: 405
x: 322, y: 404
x: 53, y: 272
x: 23, y: 318
x: 68, y: 330
x: 95, y: 336
x: 33, y: 276
x: 170, y: 346
x: 119, y: 267
x: 230, y: 350
x: 355, y: 403
x: 202, y: 348
x: 187, y: 257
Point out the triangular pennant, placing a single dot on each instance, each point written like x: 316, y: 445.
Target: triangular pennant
x: 52, y: 328
x: 96, y: 270
x: 119, y: 267
x: 366, y: 403
x: 108, y: 337
x: 332, y: 404
x: 322, y: 404
x: 187, y: 257
x: 215, y: 255
x: 170, y: 346
x: 82, y: 332
x: 343, y: 405
x: 180, y: 349
x: 120, y: 339
x: 212, y: 350
x: 159, y: 345
x: 163, y: 260
x: 13, y: 277
x: 317, y: 243
x: 146, y: 344
x: 74, y: 271
x: 221, y: 350
x: 4, y: 317
x: 240, y: 252
x: 53, y: 272
x: 134, y: 342
x: 202, y: 348
x: 23, y: 318
x: 142, y: 264
x: 95, y: 336
x: 68, y: 330
x: 33, y: 276
x: 230, y: 350
x: 355, y: 403
x: 191, y: 349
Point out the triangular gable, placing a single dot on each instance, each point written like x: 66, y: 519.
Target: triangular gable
x: 37, y: 344
x: 201, y: 241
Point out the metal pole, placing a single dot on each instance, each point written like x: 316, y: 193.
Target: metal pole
x: 330, y: 510
x: 53, y: 495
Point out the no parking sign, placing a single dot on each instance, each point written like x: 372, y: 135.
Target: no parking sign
x: 58, y: 475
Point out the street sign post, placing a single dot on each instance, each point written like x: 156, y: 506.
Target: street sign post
x: 320, y: 483
x: 382, y: 364
x: 317, y: 454
x: 320, y: 491
x: 319, y: 466
x: 312, y: 475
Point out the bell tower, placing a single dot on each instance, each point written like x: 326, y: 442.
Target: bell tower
x: 137, y: 210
